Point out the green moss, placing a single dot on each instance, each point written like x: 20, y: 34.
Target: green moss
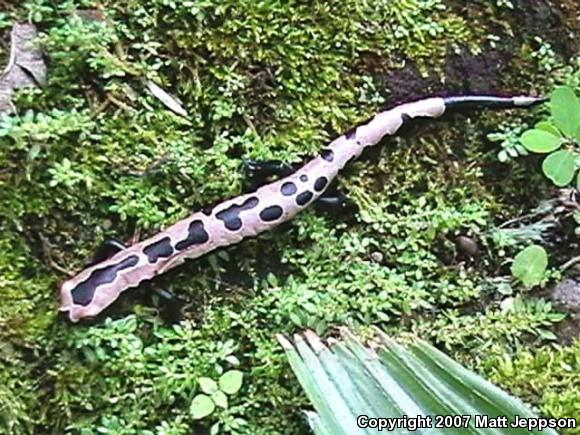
x: 546, y: 376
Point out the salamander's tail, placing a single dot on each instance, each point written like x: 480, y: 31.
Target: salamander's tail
x: 489, y: 102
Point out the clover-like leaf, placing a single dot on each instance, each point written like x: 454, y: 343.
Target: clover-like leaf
x: 560, y: 167
x: 566, y: 110
x: 530, y: 265
x: 549, y: 127
x: 540, y: 141
x: 220, y: 399
x: 231, y: 381
x: 201, y: 406
x: 207, y: 385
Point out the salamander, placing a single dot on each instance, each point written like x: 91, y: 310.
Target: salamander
x: 91, y: 291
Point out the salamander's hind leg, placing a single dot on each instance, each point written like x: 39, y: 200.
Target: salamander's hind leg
x: 169, y: 305
x: 337, y: 200
x: 336, y: 203
x: 260, y: 172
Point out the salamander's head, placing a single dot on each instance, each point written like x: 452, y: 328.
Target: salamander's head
x: 94, y: 289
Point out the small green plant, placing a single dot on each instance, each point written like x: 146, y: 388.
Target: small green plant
x: 554, y: 370
x: 514, y: 320
x: 530, y: 265
x: 508, y: 136
x: 214, y: 393
x: 559, y: 137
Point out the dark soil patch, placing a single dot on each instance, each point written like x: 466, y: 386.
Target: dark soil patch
x: 554, y: 21
x: 571, y: 15
x: 550, y: 20
x: 462, y: 74
x: 499, y: 71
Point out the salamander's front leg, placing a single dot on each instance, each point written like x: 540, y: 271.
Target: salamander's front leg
x: 107, y: 249
x: 336, y: 203
x: 337, y: 200
x: 170, y: 307
x: 267, y: 168
x: 261, y: 172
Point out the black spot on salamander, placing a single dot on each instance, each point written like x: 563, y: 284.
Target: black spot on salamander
x: 406, y: 119
x: 304, y: 178
x: 327, y: 154
x: 84, y: 293
x: 304, y: 198
x: 288, y: 188
x: 160, y: 249
x: 207, y: 211
x: 271, y: 213
x: 230, y: 215
x: 320, y: 183
x: 196, y: 235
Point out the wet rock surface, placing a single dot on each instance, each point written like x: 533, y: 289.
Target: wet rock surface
x: 566, y: 297
x: 567, y: 294
x: 26, y: 66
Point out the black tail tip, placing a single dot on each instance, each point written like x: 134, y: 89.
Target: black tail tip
x: 491, y: 102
